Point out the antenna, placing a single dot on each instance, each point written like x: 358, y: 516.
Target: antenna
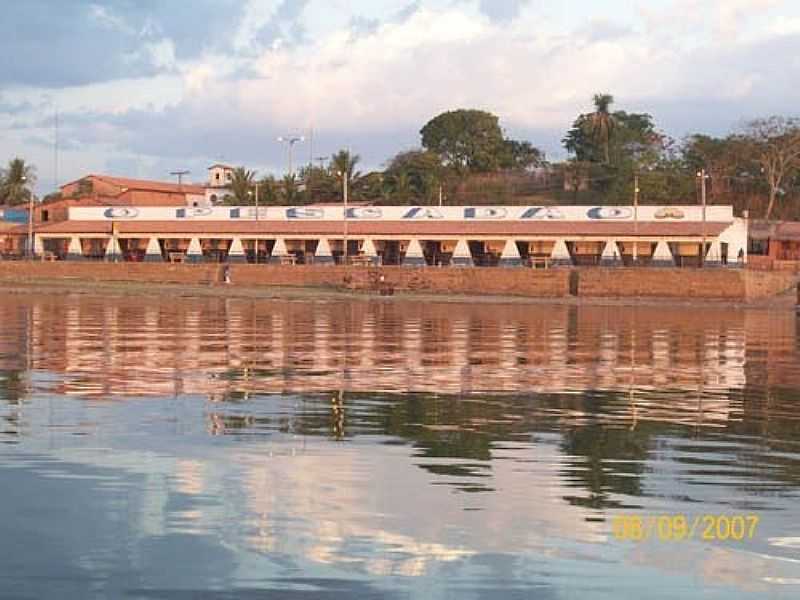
x: 179, y: 175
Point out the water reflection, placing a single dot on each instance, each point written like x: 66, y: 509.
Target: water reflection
x: 371, y: 448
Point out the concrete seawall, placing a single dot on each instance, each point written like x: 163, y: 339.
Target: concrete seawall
x: 730, y: 285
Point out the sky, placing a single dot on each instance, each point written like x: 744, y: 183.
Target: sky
x: 142, y: 88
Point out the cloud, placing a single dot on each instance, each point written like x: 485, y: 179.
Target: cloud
x: 61, y: 44
x: 223, y: 80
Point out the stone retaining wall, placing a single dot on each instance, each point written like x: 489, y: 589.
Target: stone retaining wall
x: 738, y: 285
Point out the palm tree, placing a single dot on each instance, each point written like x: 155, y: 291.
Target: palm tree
x: 600, y: 124
x: 344, y: 162
x: 16, y: 181
x: 241, y: 185
x: 267, y: 190
x: 401, y: 186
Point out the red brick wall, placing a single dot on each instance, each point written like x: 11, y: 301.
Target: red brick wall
x: 523, y: 282
x: 722, y: 284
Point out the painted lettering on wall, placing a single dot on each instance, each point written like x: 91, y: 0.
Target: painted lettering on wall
x: 542, y: 212
x: 669, y: 212
x: 609, y: 212
x: 423, y: 212
x: 305, y: 212
x: 121, y: 212
x: 248, y: 212
x: 364, y: 212
x: 190, y: 213
x: 485, y: 212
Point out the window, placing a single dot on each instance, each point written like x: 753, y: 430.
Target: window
x: 216, y: 176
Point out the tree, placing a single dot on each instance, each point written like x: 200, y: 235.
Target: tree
x: 415, y: 173
x: 775, y: 144
x: 401, y: 186
x: 724, y: 159
x: 290, y: 188
x: 344, y: 163
x: 592, y: 134
x: 321, y: 184
x: 267, y: 191
x: 369, y: 186
x: 241, y: 185
x: 601, y: 123
x: 520, y: 155
x: 466, y: 140
x: 16, y: 181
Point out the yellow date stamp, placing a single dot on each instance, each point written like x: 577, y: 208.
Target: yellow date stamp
x: 682, y: 528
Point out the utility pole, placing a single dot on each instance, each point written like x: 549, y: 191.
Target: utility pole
x: 344, y: 198
x: 635, y: 219
x: 179, y: 174
x: 24, y: 180
x: 256, y: 200
x: 702, y: 175
x: 440, y: 194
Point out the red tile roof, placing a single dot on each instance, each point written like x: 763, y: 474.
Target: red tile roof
x: 144, y: 184
x: 154, y: 186
x: 395, y: 228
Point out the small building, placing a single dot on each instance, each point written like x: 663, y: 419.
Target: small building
x: 124, y: 191
x: 774, y: 242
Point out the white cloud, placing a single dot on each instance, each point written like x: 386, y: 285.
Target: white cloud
x: 106, y: 18
x: 531, y: 74
x: 684, y: 59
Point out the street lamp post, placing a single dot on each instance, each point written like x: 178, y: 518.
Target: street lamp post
x: 344, y: 220
x: 702, y: 175
x: 635, y: 219
x: 291, y: 140
x: 255, y: 197
x: 30, y: 219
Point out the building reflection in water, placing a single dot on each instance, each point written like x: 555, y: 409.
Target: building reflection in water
x: 217, y: 347
x: 572, y: 399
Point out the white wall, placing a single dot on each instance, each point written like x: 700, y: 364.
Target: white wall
x: 410, y: 213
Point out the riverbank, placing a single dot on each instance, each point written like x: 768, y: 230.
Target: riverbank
x: 573, y: 286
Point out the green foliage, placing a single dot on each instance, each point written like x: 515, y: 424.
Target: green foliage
x: 345, y: 162
x: 321, y: 184
x: 291, y: 191
x: 369, y: 187
x: 342, y: 164
x: 16, y: 181
x: 465, y: 140
x: 241, y: 185
x: 402, y: 188
x: 414, y: 175
x: 268, y: 191
x: 518, y: 155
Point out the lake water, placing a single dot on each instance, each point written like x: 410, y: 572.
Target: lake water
x: 177, y: 448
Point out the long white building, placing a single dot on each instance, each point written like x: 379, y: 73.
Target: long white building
x: 401, y: 235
